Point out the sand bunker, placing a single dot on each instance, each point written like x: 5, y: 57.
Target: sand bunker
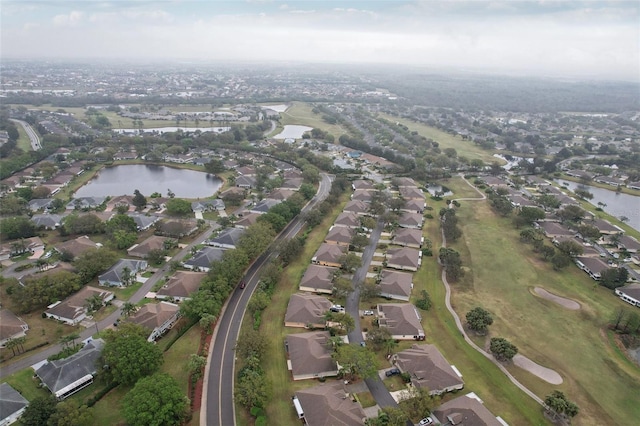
x: 564, y: 302
x: 546, y: 374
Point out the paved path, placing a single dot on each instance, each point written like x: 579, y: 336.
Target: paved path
x: 459, y: 323
x: 35, y: 139
x: 7, y: 370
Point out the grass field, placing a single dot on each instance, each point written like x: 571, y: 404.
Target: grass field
x: 24, y: 143
x: 302, y: 113
x: 570, y: 342
x: 464, y: 148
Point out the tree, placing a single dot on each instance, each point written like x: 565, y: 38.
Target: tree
x: 214, y: 166
x: 350, y: 262
x: 252, y: 389
x: 570, y: 248
x: 123, y: 239
x: 130, y: 356
x: 389, y: 416
x: 342, y: 287
x: 502, y: 349
x: 560, y: 261
x: 547, y: 252
x: 128, y: 308
x: 307, y: 190
x: 528, y: 215
x: 256, y: 239
x: 613, y: 278
x: 478, y: 320
x: 201, y: 303
x: 17, y: 227
x: 139, y: 200
x: 571, y: 213
x: 121, y: 222
x: 589, y: 231
x: 196, y: 365
x: 156, y: 256
x: 424, y: 302
x: 251, y: 343
x: 369, y: 290
x: 359, y: 241
x: 94, y: 303
x: 178, y: 207
x: 155, y: 401
x: 452, y: 263
x: 378, y: 337
x: 42, y: 289
x: 418, y: 403
x: 39, y: 410
x: 548, y: 201
x: 356, y: 361
x: 93, y: 262
x: 69, y: 413
x: 207, y: 321
x: 561, y: 408
x: 345, y: 321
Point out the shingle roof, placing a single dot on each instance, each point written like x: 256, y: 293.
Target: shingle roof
x: 306, y: 309
x: 329, y: 405
x: 395, y: 283
x: 400, y: 319
x: 153, y: 315
x: 309, y: 353
x: 318, y: 277
x: 466, y: 411
x: 10, y: 401
x: 205, y: 256
x: 428, y: 368
x: 182, y: 284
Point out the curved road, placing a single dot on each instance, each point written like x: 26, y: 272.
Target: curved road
x: 6, y: 370
x: 459, y: 323
x: 218, y: 407
x: 35, y: 139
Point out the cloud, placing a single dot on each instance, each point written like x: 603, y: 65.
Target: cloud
x: 71, y: 19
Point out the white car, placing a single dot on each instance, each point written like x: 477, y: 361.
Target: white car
x: 426, y: 421
x: 367, y: 313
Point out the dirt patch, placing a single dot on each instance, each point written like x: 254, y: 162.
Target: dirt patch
x: 546, y: 374
x: 562, y: 301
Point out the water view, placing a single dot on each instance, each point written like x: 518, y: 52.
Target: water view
x: 125, y: 179
x: 277, y: 108
x: 616, y: 204
x: 292, y: 131
x: 161, y: 130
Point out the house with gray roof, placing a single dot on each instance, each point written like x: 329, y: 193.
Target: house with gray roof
x: 246, y: 182
x: 428, y: 369
x: 358, y: 207
x: 176, y: 228
x: 467, y: 410
x: 402, y: 320
x: 318, y: 279
x: 395, y: 285
x: 40, y: 204
x: 227, y: 238
x: 363, y: 195
x: 408, y: 237
x: 264, y: 206
x: 405, y: 258
x: 74, y: 309
x: 310, y: 355
x: 203, y: 258
x: 306, y: 311
x: 85, y: 203
x: 143, y: 221
x: 47, y: 221
x: 339, y: 235
x: 215, y: 204
x: 328, y: 404
x: 411, y: 220
x: 292, y: 183
x: 593, y: 266
x: 411, y: 193
x: 115, y: 275
x: 414, y: 205
x: 11, y: 327
x: 64, y: 377
x: 630, y: 294
x: 142, y: 250
x: 329, y: 255
x: 348, y: 219
x: 12, y: 404
x: 247, y: 220
x: 181, y: 285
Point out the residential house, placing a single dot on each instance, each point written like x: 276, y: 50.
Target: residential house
x: 318, y: 279
x: 633, y: 185
x: 363, y: 195
x: 519, y: 201
x: 292, y: 183
x: 328, y: 404
x: 404, y: 182
x: 281, y: 194
x: 227, y: 238
x: 348, y: 219
x: 125, y: 155
x: 358, y: 207
x: 605, y: 228
x: 47, y: 221
x: 233, y: 191
x: 362, y: 184
x: 310, y: 355
x: 120, y: 201
x: 24, y: 245
x: 395, y: 285
x: 77, y: 246
x: 64, y: 377
x: 414, y: 205
x: 409, y: 193
x: 329, y: 255
x: 630, y: 244
x: 12, y: 404
x: 411, y: 220
x: 264, y: 206
x: 247, y: 220
x: 247, y: 171
x: 408, y: 237
x: 534, y: 180
x: 214, y: 204
x: 306, y: 311
x: 143, y: 222
x: 117, y: 275
x: 630, y: 294
x: 74, y: 309
x: 466, y: 410
x: 405, y: 258
x: 83, y: 203
x: 143, y: 249
x: 11, y: 327
x: 339, y: 235
x: 181, y: 285
x: 246, y: 182
x: 580, y: 174
x: 402, y: 320
x: 158, y: 318
x: 203, y: 258
x: 428, y: 369
x: 37, y: 204
x: 494, y: 181
x: 176, y: 228
x: 554, y: 229
x: 609, y: 181
x: 593, y: 266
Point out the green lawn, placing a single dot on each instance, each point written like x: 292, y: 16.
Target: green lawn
x: 464, y: 148
x: 501, y: 273
x: 24, y: 143
x: 107, y: 411
x: 176, y: 358
x: 302, y: 113
x: 23, y: 382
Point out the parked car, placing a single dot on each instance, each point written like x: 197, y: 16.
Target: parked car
x: 393, y: 372
x: 426, y: 421
x: 336, y: 308
x: 367, y: 313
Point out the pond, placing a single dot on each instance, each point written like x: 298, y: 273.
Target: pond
x: 292, y: 131
x: 615, y: 203
x: 125, y: 179
x: 277, y: 108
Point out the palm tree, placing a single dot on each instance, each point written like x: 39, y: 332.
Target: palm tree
x: 128, y: 308
x: 126, y: 276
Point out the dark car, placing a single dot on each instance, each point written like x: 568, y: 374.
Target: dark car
x: 242, y: 284
x: 392, y: 372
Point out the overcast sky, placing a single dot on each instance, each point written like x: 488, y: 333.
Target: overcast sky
x: 591, y: 39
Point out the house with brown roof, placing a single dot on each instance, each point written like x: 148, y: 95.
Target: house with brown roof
x: 318, y: 279
x: 363, y: 195
x: 348, y: 219
x: 593, y: 266
x: 329, y: 255
x: 158, y: 318
x: 395, y: 285
x: 414, y: 205
x: 11, y: 327
x: 554, y: 229
x: 181, y: 285
x: 404, y: 182
x: 292, y: 183
x: 409, y: 193
x: 467, y: 410
x: 630, y: 294
x: 328, y: 404
x: 358, y: 207
x: 411, y: 220
x: 306, y: 311
x: 605, y: 228
x: 176, y: 228
x: 629, y: 244
x: 74, y: 308
x: 402, y: 320
x: 361, y: 184
x: 310, y: 355
x: 281, y: 194
x: 247, y: 220
x: 142, y: 250
x: 428, y: 369
x: 339, y: 235
x: 408, y: 237
x: 404, y: 259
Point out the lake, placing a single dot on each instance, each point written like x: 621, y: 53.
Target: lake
x: 292, y: 131
x: 125, y: 179
x: 617, y: 204
x: 277, y: 108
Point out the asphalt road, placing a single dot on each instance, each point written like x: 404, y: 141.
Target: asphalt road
x: 35, y: 139
x: 7, y: 370
x: 218, y: 406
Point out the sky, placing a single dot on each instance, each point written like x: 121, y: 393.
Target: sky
x: 573, y: 39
